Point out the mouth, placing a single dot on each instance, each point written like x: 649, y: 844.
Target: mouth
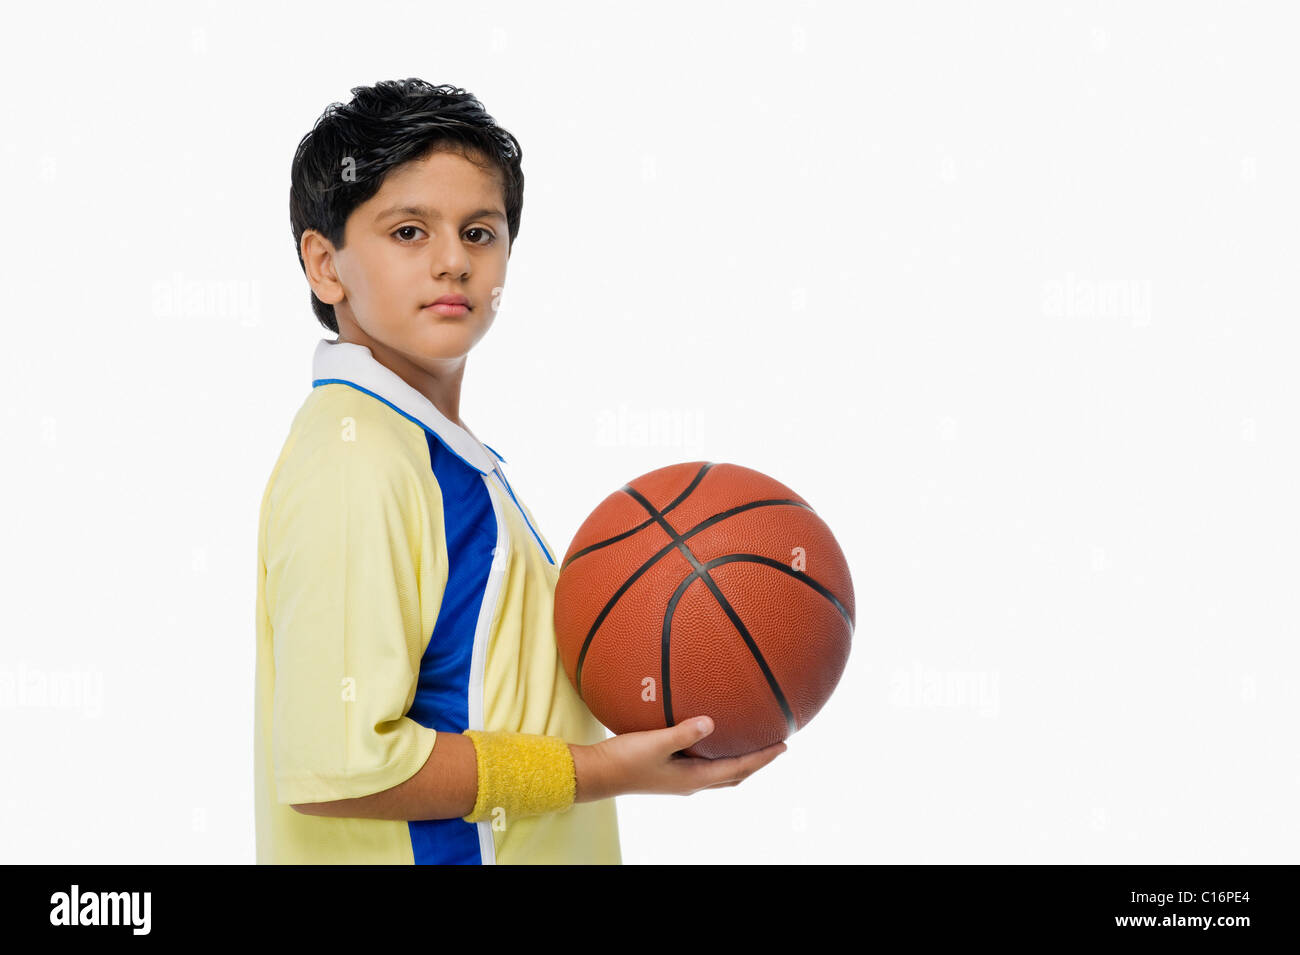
x: 450, y: 305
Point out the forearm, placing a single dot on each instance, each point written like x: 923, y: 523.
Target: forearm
x: 647, y: 761
x: 593, y: 774
x: 444, y: 788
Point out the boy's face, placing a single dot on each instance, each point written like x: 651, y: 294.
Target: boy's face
x: 436, y: 227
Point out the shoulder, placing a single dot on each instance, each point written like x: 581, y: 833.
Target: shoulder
x: 344, y: 439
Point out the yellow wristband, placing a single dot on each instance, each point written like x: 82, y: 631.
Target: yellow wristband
x: 520, y: 774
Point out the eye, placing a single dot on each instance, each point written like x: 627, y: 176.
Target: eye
x: 489, y: 240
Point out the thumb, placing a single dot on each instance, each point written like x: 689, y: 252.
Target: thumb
x: 691, y: 731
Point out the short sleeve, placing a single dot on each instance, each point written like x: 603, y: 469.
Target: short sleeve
x: 356, y: 570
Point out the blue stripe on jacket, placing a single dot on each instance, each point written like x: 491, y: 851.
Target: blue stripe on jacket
x: 442, y: 694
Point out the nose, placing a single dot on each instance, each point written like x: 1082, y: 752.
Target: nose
x: 450, y: 260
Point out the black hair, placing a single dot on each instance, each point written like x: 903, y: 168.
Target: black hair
x: 348, y: 153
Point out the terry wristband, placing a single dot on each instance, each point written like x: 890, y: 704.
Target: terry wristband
x: 521, y: 774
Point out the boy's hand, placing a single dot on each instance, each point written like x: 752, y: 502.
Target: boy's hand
x: 644, y: 762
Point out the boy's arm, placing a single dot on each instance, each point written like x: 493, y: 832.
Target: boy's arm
x: 446, y: 787
x: 355, y: 571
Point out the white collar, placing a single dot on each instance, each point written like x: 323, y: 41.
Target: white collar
x: 355, y: 365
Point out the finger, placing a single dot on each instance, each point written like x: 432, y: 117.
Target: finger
x: 732, y: 769
x: 748, y: 762
x: 689, y: 732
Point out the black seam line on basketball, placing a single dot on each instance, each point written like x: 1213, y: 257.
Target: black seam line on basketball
x: 789, y: 572
x: 798, y: 575
x: 665, y: 644
x: 655, y: 558
x: 791, y: 723
x: 644, y: 524
x: 702, y: 570
x: 707, y: 522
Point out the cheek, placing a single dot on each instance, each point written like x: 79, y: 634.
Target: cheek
x: 392, y: 280
x: 360, y: 278
x: 494, y: 273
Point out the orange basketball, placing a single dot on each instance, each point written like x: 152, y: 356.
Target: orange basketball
x: 705, y: 589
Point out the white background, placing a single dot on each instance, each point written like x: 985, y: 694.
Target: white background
x: 1005, y: 291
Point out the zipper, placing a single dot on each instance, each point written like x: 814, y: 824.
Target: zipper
x: 496, y: 469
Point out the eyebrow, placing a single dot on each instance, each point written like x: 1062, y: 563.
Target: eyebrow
x: 424, y: 212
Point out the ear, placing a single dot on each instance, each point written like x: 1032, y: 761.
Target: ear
x: 318, y: 260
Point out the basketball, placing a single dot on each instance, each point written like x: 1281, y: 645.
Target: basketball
x: 705, y: 589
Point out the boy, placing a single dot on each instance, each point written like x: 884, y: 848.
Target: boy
x: 411, y: 704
